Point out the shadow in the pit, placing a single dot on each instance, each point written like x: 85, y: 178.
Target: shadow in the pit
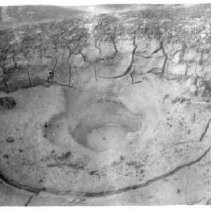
x: 99, y: 125
x: 105, y: 125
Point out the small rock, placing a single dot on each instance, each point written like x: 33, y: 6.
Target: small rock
x: 10, y: 139
x: 178, y: 191
x: 122, y: 158
x: 64, y: 156
x: 6, y: 156
x: 142, y: 171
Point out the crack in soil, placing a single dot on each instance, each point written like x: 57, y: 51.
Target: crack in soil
x: 150, y: 181
x: 128, y: 70
x: 19, y: 186
x: 102, y: 193
x: 205, y: 130
x: 165, y: 57
x: 29, y: 200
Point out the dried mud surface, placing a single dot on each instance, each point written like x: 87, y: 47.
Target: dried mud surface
x: 124, y: 123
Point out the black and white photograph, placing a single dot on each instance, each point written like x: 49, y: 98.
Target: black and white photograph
x: 105, y: 104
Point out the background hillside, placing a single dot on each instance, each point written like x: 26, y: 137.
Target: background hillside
x: 21, y: 14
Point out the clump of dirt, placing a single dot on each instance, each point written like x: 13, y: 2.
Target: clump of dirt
x: 10, y: 139
x: 7, y: 103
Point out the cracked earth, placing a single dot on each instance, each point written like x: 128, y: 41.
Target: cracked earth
x: 121, y: 124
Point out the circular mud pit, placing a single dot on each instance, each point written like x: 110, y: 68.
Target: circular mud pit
x: 71, y: 137
x: 96, y: 123
x: 101, y: 125
x: 107, y: 137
